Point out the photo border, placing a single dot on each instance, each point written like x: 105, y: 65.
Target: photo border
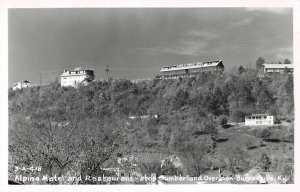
x: 6, y: 4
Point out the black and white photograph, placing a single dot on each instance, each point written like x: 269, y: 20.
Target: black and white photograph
x: 151, y: 96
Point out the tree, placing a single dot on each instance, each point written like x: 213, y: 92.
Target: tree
x: 214, y: 102
x: 194, y: 154
x: 168, y: 168
x: 148, y: 167
x: 259, y: 63
x: 265, y: 162
x: 224, y: 122
x: 91, y: 75
x: 287, y: 61
x: 237, y: 159
x: 241, y: 69
x: 82, y: 147
x: 264, y: 134
x: 180, y: 99
x: 44, y: 143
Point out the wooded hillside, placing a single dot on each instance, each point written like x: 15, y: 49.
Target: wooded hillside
x: 70, y: 130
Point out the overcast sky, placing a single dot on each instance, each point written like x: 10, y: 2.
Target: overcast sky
x: 137, y: 43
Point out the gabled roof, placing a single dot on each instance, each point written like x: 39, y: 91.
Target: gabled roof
x: 278, y: 66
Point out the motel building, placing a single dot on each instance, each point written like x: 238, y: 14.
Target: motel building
x: 76, y: 77
x: 259, y: 119
x: 190, y: 69
x: 278, y: 68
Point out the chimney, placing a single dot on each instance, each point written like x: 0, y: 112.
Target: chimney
x: 65, y: 70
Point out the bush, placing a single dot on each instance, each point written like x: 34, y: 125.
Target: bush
x: 277, y: 121
x: 224, y: 122
x: 264, y: 134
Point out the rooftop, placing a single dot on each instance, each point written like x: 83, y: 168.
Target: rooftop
x: 191, y: 65
x: 259, y: 115
x: 76, y: 71
x: 278, y: 65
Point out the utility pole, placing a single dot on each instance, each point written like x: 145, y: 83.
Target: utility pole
x: 40, y: 78
x: 107, y: 71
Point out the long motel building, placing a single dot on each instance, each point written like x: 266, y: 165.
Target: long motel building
x: 278, y: 68
x: 190, y: 69
x: 76, y: 77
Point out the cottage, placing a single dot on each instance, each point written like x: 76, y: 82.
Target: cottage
x: 259, y: 119
x: 190, y: 69
x: 76, y: 77
x: 278, y: 68
x: 21, y: 85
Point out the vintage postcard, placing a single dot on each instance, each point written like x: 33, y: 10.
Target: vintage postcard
x: 129, y: 96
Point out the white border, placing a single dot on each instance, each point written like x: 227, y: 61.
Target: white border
x: 5, y: 4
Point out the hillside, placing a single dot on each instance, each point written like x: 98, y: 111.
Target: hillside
x: 89, y: 127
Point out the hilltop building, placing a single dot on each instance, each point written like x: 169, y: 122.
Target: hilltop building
x: 259, y: 119
x: 278, y: 68
x: 76, y: 77
x: 21, y: 85
x: 190, y: 69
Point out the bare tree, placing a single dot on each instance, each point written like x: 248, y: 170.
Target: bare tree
x: 194, y: 156
x: 76, y: 146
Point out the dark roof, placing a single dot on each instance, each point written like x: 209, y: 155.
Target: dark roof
x: 81, y: 70
x: 208, y: 64
x: 258, y: 115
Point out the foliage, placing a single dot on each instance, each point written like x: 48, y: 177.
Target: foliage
x: 63, y: 128
x: 169, y: 169
x: 259, y: 62
x: 224, y: 122
x: 265, y: 162
x: 287, y: 61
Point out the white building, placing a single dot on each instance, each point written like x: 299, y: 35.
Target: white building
x: 76, y: 77
x: 190, y: 69
x: 259, y: 119
x: 278, y: 68
x: 21, y: 85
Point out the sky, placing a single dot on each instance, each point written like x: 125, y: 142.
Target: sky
x: 137, y: 42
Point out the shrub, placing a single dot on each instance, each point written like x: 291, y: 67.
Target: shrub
x: 224, y: 122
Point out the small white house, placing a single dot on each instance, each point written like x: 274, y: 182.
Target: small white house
x: 76, y: 77
x: 21, y: 85
x: 259, y: 119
